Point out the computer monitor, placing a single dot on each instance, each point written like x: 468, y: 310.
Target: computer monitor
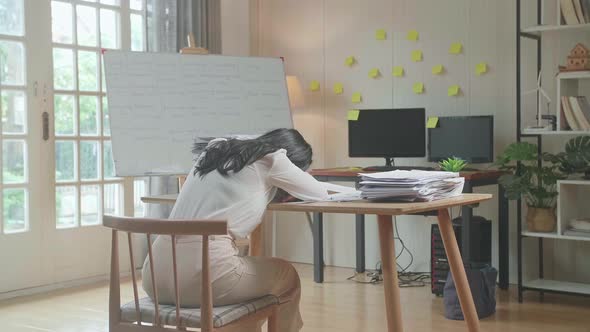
x: 470, y: 138
x: 388, y: 133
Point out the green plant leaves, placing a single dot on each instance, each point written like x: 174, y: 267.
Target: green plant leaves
x: 453, y: 164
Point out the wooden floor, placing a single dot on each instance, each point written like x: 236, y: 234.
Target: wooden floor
x: 336, y: 305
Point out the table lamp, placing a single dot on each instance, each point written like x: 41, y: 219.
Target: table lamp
x: 296, y: 100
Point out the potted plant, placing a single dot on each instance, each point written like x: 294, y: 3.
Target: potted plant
x: 576, y: 158
x: 453, y: 164
x: 536, y: 184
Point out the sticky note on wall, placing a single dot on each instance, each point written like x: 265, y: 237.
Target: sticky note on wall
x: 432, y: 122
x: 418, y: 88
x: 398, y: 71
x: 374, y: 73
x: 453, y: 90
x: 314, y: 85
x: 338, y: 88
x: 416, y: 55
x: 438, y: 69
x: 412, y: 35
x: 356, y: 97
x: 353, y: 115
x: 481, y: 68
x: 456, y: 48
x: 349, y: 61
x: 380, y: 34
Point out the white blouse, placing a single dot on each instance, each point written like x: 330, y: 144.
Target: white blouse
x: 241, y: 199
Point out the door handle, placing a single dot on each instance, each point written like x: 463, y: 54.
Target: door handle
x: 45, y: 117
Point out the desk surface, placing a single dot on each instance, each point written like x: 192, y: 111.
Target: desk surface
x: 351, y: 172
x: 365, y: 207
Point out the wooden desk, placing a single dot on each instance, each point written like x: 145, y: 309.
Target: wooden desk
x: 384, y: 212
x: 468, y: 230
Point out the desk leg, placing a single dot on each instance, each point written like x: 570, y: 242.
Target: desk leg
x: 458, y: 270
x: 360, y: 243
x: 466, y: 226
x: 503, y: 239
x: 318, y: 247
x: 390, y: 282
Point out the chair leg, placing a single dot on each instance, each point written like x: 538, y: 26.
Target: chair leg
x: 273, y: 322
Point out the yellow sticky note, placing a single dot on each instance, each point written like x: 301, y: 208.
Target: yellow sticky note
x: 398, y: 71
x: 456, y: 48
x: 416, y: 55
x: 349, y: 61
x: 356, y: 97
x: 412, y: 35
x: 353, y: 115
x: 374, y: 73
x: 314, y: 85
x: 438, y: 69
x: 432, y: 122
x: 338, y: 88
x: 481, y: 68
x: 418, y: 88
x: 453, y: 90
x: 380, y: 34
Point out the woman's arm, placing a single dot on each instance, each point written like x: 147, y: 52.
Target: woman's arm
x: 285, y: 175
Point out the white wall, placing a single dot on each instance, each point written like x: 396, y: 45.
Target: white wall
x: 315, y: 36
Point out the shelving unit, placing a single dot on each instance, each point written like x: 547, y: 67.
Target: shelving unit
x: 569, y: 190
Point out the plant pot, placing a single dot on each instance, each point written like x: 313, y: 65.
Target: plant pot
x: 541, y: 219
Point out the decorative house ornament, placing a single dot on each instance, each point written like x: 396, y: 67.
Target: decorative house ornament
x: 579, y: 59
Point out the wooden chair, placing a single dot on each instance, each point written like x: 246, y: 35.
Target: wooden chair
x: 145, y: 315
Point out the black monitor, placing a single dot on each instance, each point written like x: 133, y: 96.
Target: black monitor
x: 388, y: 133
x: 470, y: 138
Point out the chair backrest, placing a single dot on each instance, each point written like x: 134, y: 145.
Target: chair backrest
x: 172, y: 228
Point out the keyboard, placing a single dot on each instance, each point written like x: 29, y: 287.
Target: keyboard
x: 396, y: 168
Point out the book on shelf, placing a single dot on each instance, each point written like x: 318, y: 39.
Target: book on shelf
x: 579, y: 11
x: 581, y: 118
x: 586, y: 10
x: 568, y: 115
x: 568, y: 12
x: 575, y: 113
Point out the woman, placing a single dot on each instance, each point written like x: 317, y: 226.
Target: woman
x: 234, y: 180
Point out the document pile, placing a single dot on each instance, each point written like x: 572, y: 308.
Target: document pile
x: 410, y: 186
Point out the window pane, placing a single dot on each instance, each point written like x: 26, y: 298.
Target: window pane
x: 12, y: 20
x: 109, y: 164
x: 138, y: 192
x: 103, y: 83
x: 65, y: 161
x: 12, y: 62
x: 109, y: 28
x: 65, y: 115
x: 89, y: 116
x: 90, y: 205
x: 63, y: 69
x: 14, y: 161
x: 14, y: 209
x: 106, y: 126
x: 136, y: 32
x: 89, y: 160
x: 113, y: 199
x: 14, y: 112
x: 66, y: 206
x: 86, y: 20
x: 87, y: 71
x: 62, y: 25
x: 136, y: 4
x: 110, y: 2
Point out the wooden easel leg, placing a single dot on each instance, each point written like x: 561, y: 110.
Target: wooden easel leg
x: 388, y: 263
x: 458, y: 271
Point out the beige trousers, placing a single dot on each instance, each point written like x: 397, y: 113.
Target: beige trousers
x: 262, y: 276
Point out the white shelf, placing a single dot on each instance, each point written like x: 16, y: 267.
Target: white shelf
x: 555, y: 132
x: 560, y: 286
x: 537, y: 29
x: 554, y: 235
x: 574, y: 75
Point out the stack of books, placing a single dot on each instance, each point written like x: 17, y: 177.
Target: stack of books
x: 410, y: 186
x: 575, y: 11
x: 575, y: 113
x: 578, y: 227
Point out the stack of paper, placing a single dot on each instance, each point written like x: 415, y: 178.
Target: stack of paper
x: 410, y: 186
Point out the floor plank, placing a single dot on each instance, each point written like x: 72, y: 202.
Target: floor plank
x: 337, y: 305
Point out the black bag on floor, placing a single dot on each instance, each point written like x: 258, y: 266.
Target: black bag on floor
x: 482, y: 282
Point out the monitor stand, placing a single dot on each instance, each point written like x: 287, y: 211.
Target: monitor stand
x: 389, y: 161
x: 390, y: 166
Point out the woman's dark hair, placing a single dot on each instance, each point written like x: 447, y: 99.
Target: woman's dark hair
x: 234, y: 154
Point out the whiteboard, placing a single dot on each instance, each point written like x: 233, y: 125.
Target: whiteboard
x: 160, y: 104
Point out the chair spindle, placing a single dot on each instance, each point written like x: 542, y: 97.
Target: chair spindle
x: 135, y: 294
x: 206, y: 291
x: 176, y: 290
x: 155, y: 290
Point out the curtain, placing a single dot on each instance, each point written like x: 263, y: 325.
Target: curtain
x: 168, y: 23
